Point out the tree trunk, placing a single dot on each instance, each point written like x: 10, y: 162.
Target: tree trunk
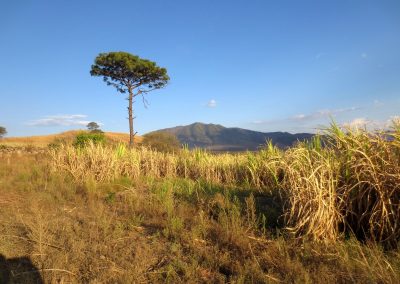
x: 130, y: 112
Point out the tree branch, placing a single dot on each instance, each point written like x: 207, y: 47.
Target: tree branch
x: 145, y: 102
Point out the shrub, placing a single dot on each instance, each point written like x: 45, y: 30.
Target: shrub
x: 56, y: 144
x: 84, y: 138
x: 162, y: 142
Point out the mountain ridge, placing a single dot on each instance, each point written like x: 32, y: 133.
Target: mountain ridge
x: 219, y: 138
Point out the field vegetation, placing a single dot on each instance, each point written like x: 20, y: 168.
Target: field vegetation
x: 325, y: 211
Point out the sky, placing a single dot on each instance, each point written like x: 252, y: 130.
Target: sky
x: 263, y: 65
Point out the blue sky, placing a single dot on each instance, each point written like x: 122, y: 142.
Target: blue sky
x: 261, y: 65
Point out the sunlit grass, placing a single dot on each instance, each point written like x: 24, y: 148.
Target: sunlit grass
x: 345, y: 181
x: 114, y: 214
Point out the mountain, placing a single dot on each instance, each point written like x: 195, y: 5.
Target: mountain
x: 218, y: 138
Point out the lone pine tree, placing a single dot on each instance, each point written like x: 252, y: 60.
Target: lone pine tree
x: 129, y: 74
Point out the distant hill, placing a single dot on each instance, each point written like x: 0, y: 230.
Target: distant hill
x: 218, y: 138
x: 68, y: 136
x: 209, y: 136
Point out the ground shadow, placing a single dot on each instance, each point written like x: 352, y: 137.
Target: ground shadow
x: 268, y: 203
x: 18, y: 270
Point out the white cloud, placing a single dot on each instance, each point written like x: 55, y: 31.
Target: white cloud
x: 369, y: 124
x: 212, y: 103
x: 393, y: 120
x: 61, y: 120
x: 364, y: 55
x: 300, y: 116
x: 322, y: 113
x: 319, y: 55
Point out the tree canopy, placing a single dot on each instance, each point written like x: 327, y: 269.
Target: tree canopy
x: 3, y: 131
x: 129, y: 74
x: 124, y: 70
x: 93, y: 126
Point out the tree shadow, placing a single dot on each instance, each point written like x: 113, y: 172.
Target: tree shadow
x: 18, y: 270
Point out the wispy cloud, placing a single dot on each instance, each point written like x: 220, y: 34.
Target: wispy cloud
x: 212, y: 103
x: 61, y: 120
x: 321, y: 113
x: 366, y: 116
x: 319, y: 55
x: 378, y: 103
x: 303, y: 121
x: 364, y: 55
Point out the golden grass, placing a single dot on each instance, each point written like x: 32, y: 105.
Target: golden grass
x: 122, y: 137
x: 311, y: 181
x: 101, y: 163
x: 369, y: 183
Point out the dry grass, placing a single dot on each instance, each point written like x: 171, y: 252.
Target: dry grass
x: 68, y: 137
x: 349, y: 186
x: 311, y: 179
x: 100, y: 163
x: 149, y: 230
x: 110, y: 214
x: 39, y: 141
x: 369, y: 183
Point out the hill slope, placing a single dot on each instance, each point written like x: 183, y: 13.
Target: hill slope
x: 219, y: 138
x: 44, y: 140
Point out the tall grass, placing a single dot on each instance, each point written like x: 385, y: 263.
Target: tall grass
x: 311, y: 179
x: 369, y: 182
x: 344, y: 182
x: 107, y: 163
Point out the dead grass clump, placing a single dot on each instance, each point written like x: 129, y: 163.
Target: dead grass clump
x: 349, y: 186
x: 370, y: 183
x: 314, y: 208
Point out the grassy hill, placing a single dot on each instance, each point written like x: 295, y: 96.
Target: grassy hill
x: 219, y: 138
x: 68, y: 136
